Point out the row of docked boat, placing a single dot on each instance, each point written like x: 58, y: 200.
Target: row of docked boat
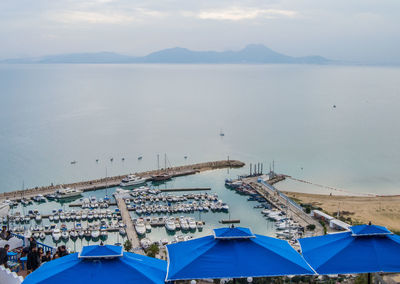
x: 205, y: 206
x: 172, y: 224
x: 62, y: 216
x: 89, y: 215
x: 139, y: 198
x: 93, y: 231
x: 93, y: 203
x: 59, y: 195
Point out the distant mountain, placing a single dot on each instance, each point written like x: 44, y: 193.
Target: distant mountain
x: 253, y: 54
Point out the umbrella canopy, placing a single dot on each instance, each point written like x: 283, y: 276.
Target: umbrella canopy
x: 233, y: 253
x: 100, y: 264
x: 364, y: 249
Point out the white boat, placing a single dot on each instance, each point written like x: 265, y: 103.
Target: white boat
x: 90, y: 216
x: 36, y: 235
x: 140, y: 228
x: 184, y: 224
x: 64, y: 235
x: 38, y: 218
x: 84, y: 216
x: 81, y: 233
x: 103, y: 234
x: 42, y: 236
x: 73, y: 234
x: 148, y: 227
x: 122, y: 231
x: 64, y: 193
x: 192, y: 224
x: 95, y: 234
x: 39, y: 198
x: 170, y: 224
x: 132, y: 180
x: 56, y: 218
x: 199, y: 225
x: 56, y: 234
x: 145, y: 243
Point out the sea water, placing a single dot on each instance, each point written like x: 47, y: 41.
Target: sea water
x: 332, y: 125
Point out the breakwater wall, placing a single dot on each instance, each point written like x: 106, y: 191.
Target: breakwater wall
x: 115, y: 180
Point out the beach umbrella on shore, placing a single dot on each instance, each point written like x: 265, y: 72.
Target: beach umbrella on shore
x: 100, y: 264
x: 233, y: 253
x: 363, y: 249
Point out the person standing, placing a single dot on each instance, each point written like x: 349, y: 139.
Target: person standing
x: 3, y: 233
x: 33, y: 260
x: 32, y: 243
x: 3, y: 255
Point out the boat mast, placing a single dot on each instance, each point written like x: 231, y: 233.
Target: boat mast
x: 158, y: 162
x: 106, y: 182
x: 165, y: 162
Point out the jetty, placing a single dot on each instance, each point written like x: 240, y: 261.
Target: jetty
x: 279, y: 200
x: 130, y: 229
x: 115, y: 180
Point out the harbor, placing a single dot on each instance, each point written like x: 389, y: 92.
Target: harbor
x: 173, y: 210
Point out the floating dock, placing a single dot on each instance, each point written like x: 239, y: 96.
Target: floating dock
x: 114, y: 181
x: 233, y: 221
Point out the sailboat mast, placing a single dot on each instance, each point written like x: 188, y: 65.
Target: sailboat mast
x: 106, y: 183
x: 158, y: 162
x: 165, y: 162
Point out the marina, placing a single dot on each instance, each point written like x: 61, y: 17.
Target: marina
x: 162, y: 213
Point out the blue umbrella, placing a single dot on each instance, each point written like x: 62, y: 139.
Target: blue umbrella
x: 364, y: 249
x: 233, y: 253
x: 100, y: 264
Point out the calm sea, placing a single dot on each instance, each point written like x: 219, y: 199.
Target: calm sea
x: 51, y: 115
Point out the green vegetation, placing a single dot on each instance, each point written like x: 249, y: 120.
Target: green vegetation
x: 362, y: 279
x: 127, y: 245
x: 311, y: 227
x: 324, y: 226
x: 152, y: 250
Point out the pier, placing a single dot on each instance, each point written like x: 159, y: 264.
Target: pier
x: 130, y: 229
x: 115, y: 180
x: 282, y: 202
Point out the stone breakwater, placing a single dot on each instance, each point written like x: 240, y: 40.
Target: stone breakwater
x: 115, y: 180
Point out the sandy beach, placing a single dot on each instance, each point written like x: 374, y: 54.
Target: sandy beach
x: 380, y: 210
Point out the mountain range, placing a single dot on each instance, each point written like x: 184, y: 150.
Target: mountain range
x: 251, y: 54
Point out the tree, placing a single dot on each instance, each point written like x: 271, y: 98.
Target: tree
x: 310, y: 227
x: 127, y: 245
x: 153, y: 250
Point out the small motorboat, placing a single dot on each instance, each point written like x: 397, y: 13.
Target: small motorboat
x: 95, y: 234
x: 122, y: 231
x: 56, y: 234
x: 65, y: 235
x: 81, y: 234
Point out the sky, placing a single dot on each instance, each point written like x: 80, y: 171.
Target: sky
x: 361, y: 31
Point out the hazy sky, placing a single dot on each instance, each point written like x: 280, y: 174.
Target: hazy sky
x: 362, y: 30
